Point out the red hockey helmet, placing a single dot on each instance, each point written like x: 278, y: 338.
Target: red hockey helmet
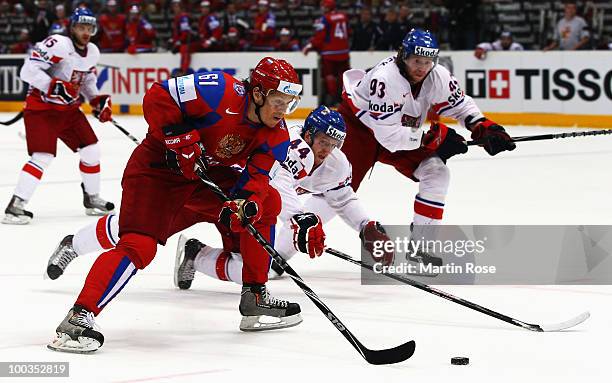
x: 276, y: 74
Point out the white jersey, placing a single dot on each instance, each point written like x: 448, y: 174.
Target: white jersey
x: 382, y: 99
x: 330, y: 181
x: 497, y: 46
x: 56, y: 56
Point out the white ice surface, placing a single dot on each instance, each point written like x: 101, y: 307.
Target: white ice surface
x: 155, y: 333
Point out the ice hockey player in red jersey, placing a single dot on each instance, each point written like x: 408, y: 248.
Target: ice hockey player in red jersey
x: 213, y: 117
x: 331, y: 40
x: 112, y: 29
x: 140, y: 32
x: 59, y: 70
x: 263, y: 33
x: 209, y: 28
x: 384, y: 110
x: 180, y: 41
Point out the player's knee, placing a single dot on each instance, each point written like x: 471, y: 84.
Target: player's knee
x: 90, y: 154
x: 43, y: 160
x: 271, y: 207
x: 139, y: 248
x: 434, y: 176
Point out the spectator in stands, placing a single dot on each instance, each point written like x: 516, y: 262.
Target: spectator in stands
x: 263, y: 34
x: 23, y: 44
x: 571, y: 32
x: 465, y: 23
x: 231, y: 20
x: 331, y: 40
x: 209, y: 28
x: 504, y: 43
x: 392, y: 36
x: 61, y: 23
x: 140, y: 33
x: 406, y: 19
x: 233, y: 43
x: 366, y: 32
x: 181, y: 41
x: 286, y: 43
x: 43, y: 18
x: 112, y: 29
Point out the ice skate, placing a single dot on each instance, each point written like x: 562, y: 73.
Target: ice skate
x: 15, y: 213
x: 423, y: 259
x: 76, y: 333
x: 261, y: 311
x: 184, y: 270
x: 96, y: 206
x: 61, y: 257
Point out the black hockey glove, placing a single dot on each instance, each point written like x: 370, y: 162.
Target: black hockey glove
x: 493, y: 137
x: 445, y: 141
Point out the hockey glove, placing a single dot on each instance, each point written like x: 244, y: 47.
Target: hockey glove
x: 102, y: 107
x: 237, y: 213
x: 62, y: 91
x: 493, y: 137
x: 308, y: 235
x: 373, y: 236
x: 444, y: 141
x: 183, y: 149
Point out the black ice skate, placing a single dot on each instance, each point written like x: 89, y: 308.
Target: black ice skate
x: 76, y: 333
x: 15, y: 212
x: 184, y: 269
x: 94, y: 205
x: 261, y: 311
x: 61, y: 257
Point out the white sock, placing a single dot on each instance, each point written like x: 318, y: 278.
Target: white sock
x: 100, y: 235
x: 219, y: 264
x: 90, y: 168
x: 31, y: 173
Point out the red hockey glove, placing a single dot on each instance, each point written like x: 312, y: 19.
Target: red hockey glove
x: 373, y: 236
x: 308, y: 235
x: 444, y: 141
x: 480, y: 53
x: 183, y: 149
x: 63, y: 91
x: 493, y: 137
x: 237, y: 213
x: 102, y: 107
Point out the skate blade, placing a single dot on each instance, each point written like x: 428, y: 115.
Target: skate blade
x: 180, y: 254
x: 96, y: 212
x: 64, y: 343
x: 10, y: 219
x: 265, y: 322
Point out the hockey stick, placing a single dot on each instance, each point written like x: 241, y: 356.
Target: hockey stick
x: 463, y: 302
x: 12, y: 120
x: 128, y: 134
x: 551, y: 136
x: 386, y: 356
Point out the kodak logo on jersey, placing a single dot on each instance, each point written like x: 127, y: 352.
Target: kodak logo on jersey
x: 425, y: 52
x: 381, y: 108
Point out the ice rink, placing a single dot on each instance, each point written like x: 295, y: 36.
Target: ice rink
x: 156, y: 333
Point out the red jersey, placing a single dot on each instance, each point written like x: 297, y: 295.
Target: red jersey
x: 216, y: 103
x: 331, y: 38
x: 264, y: 32
x: 209, y: 27
x: 140, y: 33
x: 112, y: 36
x: 181, y: 28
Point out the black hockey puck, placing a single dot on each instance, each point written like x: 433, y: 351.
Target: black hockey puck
x: 460, y: 360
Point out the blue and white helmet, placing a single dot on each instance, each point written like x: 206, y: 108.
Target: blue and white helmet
x: 84, y: 16
x: 327, y: 121
x: 419, y: 43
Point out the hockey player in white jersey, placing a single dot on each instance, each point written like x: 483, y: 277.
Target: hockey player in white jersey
x: 59, y: 70
x: 385, y: 109
x: 314, y: 165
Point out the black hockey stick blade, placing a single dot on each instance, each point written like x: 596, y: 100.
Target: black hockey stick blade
x: 12, y: 120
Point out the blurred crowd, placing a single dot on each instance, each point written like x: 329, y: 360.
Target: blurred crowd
x: 137, y: 26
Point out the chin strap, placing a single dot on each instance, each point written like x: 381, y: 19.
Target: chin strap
x: 258, y: 108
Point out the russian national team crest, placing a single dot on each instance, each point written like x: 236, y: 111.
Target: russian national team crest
x: 230, y: 145
x: 239, y: 89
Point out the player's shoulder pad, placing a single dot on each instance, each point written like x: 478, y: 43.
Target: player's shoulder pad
x: 53, y: 49
x: 340, y: 165
x: 386, y: 88
x: 278, y: 141
x: 93, y: 51
x: 445, y: 84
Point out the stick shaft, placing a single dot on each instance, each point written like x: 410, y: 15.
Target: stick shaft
x: 552, y: 136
